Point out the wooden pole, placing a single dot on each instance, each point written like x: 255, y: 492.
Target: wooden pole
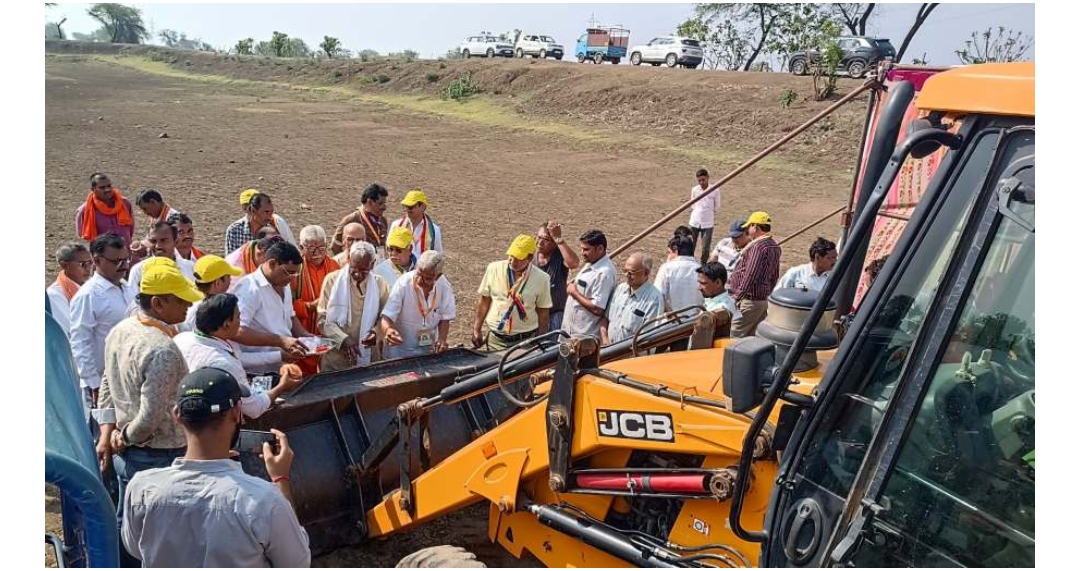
x: 812, y: 224
x: 871, y: 83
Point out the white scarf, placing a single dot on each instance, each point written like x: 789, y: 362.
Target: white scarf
x: 339, y: 308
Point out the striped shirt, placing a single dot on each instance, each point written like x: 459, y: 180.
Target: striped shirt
x: 757, y: 270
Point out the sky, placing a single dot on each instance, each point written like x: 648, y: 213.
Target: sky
x: 432, y: 29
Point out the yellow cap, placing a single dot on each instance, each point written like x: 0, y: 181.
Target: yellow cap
x: 210, y: 268
x: 163, y: 279
x: 522, y: 247
x: 159, y: 261
x: 414, y: 197
x: 758, y: 218
x: 247, y: 195
x: 400, y: 237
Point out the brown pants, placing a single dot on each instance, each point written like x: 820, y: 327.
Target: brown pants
x: 753, y: 312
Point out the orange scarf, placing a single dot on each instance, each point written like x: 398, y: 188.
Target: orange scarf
x: 93, y: 206
x: 247, y: 257
x: 67, y: 285
x: 195, y: 254
x: 307, y: 287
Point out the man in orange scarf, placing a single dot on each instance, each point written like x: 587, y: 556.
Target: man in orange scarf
x: 76, y: 266
x: 308, y: 285
x: 105, y: 210
x: 185, y: 237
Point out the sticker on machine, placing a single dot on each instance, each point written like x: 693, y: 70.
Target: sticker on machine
x: 635, y: 425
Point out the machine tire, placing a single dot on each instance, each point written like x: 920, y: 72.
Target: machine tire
x: 440, y: 556
x: 635, y: 58
x: 465, y: 54
x: 581, y: 58
x: 671, y: 60
x: 558, y: 58
x: 542, y: 54
x: 598, y: 58
x: 491, y: 52
x: 616, y: 61
x: 798, y: 67
x: 520, y: 53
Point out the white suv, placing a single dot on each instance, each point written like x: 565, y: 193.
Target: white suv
x: 486, y: 45
x: 538, y: 46
x: 669, y: 50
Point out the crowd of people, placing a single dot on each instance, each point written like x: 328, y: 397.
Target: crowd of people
x: 166, y: 336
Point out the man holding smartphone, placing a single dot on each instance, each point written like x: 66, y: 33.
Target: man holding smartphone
x: 172, y: 516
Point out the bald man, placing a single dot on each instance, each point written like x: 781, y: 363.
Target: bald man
x: 634, y: 302
x: 352, y: 233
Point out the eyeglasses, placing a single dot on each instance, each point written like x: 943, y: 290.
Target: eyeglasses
x: 86, y: 264
x: 292, y: 273
x: 315, y: 249
x: 117, y: 262
x: 632, y: 273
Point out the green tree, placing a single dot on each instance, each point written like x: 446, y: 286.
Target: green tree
x: 123, y: 23
x: 511, y: 37
x: 53, y: 30
x: 330, y: 46
x: 279, y: 45
x: 759, y: 23
x: 1000, y: 45
x: 825, y: 67
x: 800, y: 27
x: 98, y: 35
x: 724, y: 46
x: 367, y: 55
x: 298, y: 48
x: 243, y: 47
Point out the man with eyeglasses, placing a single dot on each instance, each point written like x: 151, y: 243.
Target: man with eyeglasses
x: 400, y: 259
x: 76, y: 266
x: 267, y: 320
x: 427, y: 235
x: 308, y: 285
x: 515, y: 298
x: 634, y: 302
x: 96, y: 308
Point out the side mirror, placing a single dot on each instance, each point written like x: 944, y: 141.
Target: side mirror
x: 748, y: 371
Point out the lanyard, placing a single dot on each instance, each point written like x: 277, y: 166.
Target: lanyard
x: 169, y: 331
x: 422, y: 305
x: 371, y: 227
x: 513, y: 287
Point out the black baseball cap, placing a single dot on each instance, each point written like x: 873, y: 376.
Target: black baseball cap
x: 209, y: 391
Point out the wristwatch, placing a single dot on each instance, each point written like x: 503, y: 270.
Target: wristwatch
x: 560, y: 241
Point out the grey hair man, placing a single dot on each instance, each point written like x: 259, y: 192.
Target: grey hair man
x: 76, y: 266
x: 416, y: 319
x: 634, y: 302
x: 349, y: 307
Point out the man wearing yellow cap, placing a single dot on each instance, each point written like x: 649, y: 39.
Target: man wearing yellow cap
x: 426, y: 234
x: 755, y: 275
x: 400, y: 258
x: 515, y: 299
x: 213, y: 276
x: 258, y: 212
x: 143, y: 368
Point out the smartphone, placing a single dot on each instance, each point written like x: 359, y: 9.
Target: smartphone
x: 261, y: 384
x: 251, y: 441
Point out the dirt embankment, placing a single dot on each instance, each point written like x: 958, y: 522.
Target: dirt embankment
x: 739, y: 112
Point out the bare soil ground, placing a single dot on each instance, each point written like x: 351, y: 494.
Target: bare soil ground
x: 602, y: 147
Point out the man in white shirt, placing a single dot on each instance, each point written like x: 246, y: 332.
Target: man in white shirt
x: 76, y: 266
x: 399, y: 256
x: 211, y: 345
x: 703, y: 213
x: 99, y: 305
x: 427, y: 235
x: 590, y: 290
x: 634, y: 302
x: 727, y: 251
x: 812, y: 276
x: 676, y: 279
x: 267, y: 321
x: 416, y: 319
x: 162, y: 240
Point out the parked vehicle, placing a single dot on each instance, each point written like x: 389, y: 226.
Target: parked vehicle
x: 602, y: 43
x: 860, y: 54
x: 538, y: 46
x: 668, y: 50
x: 486, y: 45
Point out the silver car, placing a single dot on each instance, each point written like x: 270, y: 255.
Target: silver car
x: 486, y: 45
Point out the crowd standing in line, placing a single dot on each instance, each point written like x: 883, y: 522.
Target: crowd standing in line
x: 167, y: 337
